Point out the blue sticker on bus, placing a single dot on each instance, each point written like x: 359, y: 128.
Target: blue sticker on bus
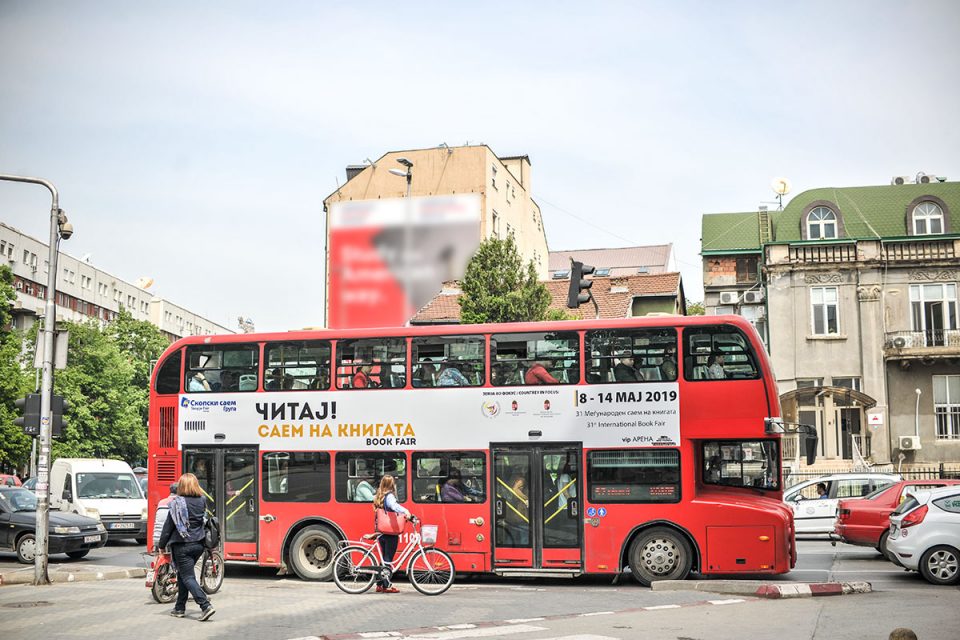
x: 602, y: 512
x: 591, y: 511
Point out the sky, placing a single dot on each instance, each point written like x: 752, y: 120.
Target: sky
x: 194, y: 143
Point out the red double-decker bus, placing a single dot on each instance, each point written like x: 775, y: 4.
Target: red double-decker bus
x: 554, y: 448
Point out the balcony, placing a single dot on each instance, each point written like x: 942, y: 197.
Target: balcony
x: 911, y: 345
x: 914, y: 250
x: 818, y: 253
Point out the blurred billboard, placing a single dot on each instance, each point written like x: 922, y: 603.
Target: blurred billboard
x: 390, y: 257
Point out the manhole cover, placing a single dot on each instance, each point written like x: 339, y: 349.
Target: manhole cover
x: 27, y: 605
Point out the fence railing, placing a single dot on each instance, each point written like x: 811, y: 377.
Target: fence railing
x: 920, y: 339
x: 933, y: 472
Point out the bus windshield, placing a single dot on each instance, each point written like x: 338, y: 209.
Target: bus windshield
x: 742, y: 463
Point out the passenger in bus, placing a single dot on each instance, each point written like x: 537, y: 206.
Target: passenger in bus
x: 425, y: 373
x: 450, y: 376
x: 668, y: 367
x: 713, y: 470
x: 715, y: 370
x: 288, y: 382
x: 625, y: 371
x: 454, y: 490
x: 275, y: 380
x: 227, y: 382
x: 566, y: 485
x: 364, y: 491
x: 198, y: 382
x: 361, y: 379
x: 503, y: 375
x: 538, y: 374
x: 386, y: 499
x: 515, y: 517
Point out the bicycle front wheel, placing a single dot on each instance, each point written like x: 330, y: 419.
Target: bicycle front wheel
x: 354, y: 569
x: 209, y: 572
x: 431, y: 571
x: 165, y: 586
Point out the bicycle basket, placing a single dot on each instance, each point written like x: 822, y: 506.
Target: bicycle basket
x: 428, y: 534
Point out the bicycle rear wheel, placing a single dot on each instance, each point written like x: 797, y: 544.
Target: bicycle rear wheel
x: 165, y: 586
x: 209, y: 571
x: 354, y: 569
x: 431, y: 571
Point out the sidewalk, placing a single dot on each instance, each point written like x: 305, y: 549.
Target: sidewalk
x: 75, y: 572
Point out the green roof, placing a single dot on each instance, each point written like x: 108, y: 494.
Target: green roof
x: 730, y: 232
x: 868, y: 212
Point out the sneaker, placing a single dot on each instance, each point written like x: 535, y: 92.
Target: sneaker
x: 177, y: 613
x: 207, y: 613
x: 391, y: 590
x: 379, y: 589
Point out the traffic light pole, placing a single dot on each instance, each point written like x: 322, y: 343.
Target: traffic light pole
x: 46, y: 386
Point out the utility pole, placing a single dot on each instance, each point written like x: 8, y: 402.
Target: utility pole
x: 59, y: 228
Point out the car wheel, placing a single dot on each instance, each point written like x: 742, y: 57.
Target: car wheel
x: 27, y: 548
x: 660, y: 554
x: 882, y: 545
x: 312, y: 551
x: 941, y: 565
x: 76, y: 555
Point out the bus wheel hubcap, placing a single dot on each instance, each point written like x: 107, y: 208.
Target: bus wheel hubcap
x: 317, y: 553
x: 659, y: 556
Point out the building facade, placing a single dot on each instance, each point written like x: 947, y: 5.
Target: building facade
x: 391, y: 243
x: 857, y: 291
x: 85, y: 292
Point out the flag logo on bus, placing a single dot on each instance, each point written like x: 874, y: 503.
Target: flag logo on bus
x: 490, y: 408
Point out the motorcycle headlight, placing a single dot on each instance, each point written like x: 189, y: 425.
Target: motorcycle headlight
x: 65, y: 530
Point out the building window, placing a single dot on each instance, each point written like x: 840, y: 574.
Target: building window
x: 848, y: 383
x: 747, y: 270
x: 821, y: 224
x: 927, y: 219
x: 946, y: 406
x: 509, y: 229
x: 933, y: 310
x: 495, y: 225
x: 508, y: 192
x: 493, y: 178
x: 823, y: 303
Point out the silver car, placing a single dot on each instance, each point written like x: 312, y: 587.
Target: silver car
x: 925, y: 535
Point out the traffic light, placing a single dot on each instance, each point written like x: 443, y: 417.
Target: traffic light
x: 29, y: 406
x: 58, y: 406
x: 579, y: 288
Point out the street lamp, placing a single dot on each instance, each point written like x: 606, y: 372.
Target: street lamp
x: 59, y: 228
x: 407, y: 276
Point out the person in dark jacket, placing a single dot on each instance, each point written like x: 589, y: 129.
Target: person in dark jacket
x: 183, y: 531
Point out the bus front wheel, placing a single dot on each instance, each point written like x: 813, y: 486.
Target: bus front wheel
x: 660, y: 554
x: 312, y: 551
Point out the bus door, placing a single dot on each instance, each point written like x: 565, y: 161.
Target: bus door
x: 536, y: 507
x: 228, y: 478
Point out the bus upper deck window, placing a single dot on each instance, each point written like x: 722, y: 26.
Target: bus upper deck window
x: 631, y: 355
x: 168, y: 376
x: 222, y: 368
x: 720, y: 352
x: 295, y: 366
x: 370, y: 363
x: 535, y: 358
x: 448, y: 361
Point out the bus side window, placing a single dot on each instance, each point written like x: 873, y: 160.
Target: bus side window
x: 464, y: 472
x: 617, y: 356
x: 535, y: 358
x: 358, y: 475
x: 168, y: 377
x: 448, y: 361
x: 718, y: 353
x: 222, y: 368
x: 369, y: 363
x: 295, y: 366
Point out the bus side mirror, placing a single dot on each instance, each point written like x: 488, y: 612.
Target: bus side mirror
x: 810, y: 448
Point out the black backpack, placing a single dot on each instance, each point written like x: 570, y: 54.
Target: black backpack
x: 211, y: 533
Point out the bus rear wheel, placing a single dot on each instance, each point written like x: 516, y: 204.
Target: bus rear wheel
x: 312, y: 551
x: 660, y: 554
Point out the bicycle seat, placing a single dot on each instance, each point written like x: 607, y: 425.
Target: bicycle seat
x: 371, y: 536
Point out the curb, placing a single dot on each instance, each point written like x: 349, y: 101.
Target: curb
x: 770, y: 590
x: 25, y: 576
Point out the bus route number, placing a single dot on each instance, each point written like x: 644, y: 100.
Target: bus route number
x: 612, y: 397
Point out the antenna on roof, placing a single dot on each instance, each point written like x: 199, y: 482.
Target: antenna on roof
x: 781, y: 187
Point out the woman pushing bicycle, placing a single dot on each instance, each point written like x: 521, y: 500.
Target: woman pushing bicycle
x: 386, y: 499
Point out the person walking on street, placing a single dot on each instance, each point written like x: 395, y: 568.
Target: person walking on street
x: 163, y: 508
x: 183, y: 531
x: 386, y: 499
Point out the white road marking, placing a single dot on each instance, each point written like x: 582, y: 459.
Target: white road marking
x: 596, y: 613
x: 487, y: 632
x: 661, y: 606
x: 381, y: 634
x: 731, y: 601
x: 516, y: 620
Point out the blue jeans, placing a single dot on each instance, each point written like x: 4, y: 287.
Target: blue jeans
x: 388, y: 547
x: 185, y: 556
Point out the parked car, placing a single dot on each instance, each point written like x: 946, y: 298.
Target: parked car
x: 925, y: 535
x: 8, y: 480
x: 143, y: 485
x: 813, y: 515
x: 866, y: 522
x: 68, y: 533
x: 30, y: 484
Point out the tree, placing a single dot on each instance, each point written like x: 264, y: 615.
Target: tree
x: 695, y: 309
x: 497, y: 288
x: 14, y: 381
x: 140, y: 343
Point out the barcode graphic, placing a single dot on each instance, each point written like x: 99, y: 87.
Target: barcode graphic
x: 195, y: 425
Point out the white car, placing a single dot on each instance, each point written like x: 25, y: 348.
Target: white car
x: 815, y: 514
x: 925, y: 535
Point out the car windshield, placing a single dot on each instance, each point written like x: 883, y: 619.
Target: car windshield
x: 18, y: 500
x: 906, y: 505
x: 107, y: 485
x: 873, y: 495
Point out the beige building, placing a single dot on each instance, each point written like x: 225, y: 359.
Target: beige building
x: 84, y: 291
x: 497, y: 190
x: 856, y: 290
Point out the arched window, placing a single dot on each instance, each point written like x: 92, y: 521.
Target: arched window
x: 821, y: 223
x: 927, y: 219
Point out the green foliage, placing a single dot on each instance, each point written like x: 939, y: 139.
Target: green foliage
x: 695, y: 309
x: 497, y: 288
x: 559, y: 314
x: 14, y: 381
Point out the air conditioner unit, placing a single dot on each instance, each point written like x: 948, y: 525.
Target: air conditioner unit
x: 909, y: 443
x: 729, y: 297
x: 900, y: 180
x: 752, y: 297
x: 923, y: 178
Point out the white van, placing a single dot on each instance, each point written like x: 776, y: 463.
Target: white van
x: 102, y: 489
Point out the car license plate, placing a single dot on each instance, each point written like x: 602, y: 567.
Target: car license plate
x: 122, y: 525
x: 91, y: 539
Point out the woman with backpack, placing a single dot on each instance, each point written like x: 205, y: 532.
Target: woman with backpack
x: 184, y: 532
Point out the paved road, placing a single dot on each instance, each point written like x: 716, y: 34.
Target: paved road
x: 255, y: 603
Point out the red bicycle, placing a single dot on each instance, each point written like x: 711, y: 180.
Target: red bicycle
x: 162, y: 577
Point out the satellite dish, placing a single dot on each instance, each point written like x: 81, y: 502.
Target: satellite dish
x: 780, y: 186
x: 144, y: 282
